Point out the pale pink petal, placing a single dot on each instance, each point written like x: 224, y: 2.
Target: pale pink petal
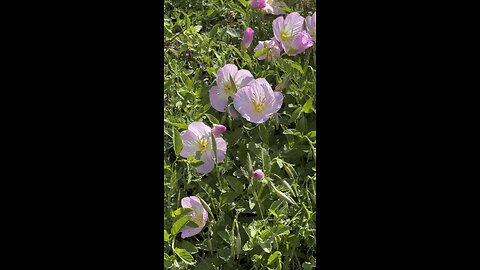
x: 221, y: 149
x: 186, y: 202
x: 243, y: 101
x: 200, y: 129
x: 277, y: 26
x: 218, y: 98
x: 274, y: 105
x: 243, y: 78
x: 189, y: 140
x: 260, y: 47
x: 208, y: 163
x: 189, y: 231
x: 224, y: 73
x: 294, y: 23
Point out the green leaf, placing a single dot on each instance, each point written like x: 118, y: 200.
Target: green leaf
x: 212, y: 118
x: 177, y: 141
x: 185, y: 256
x: 265, y: 160
x: 181, y: 211
x: 307, y: 107
x: 191, y: 248
x: 233, y: 137
x: 295, y: 115
x: 178, y: 225
x: 165, y: 236
x: 235, y: 183
x: 263, y: 133
x: 232, y: 32
x: 312, y: 134
x: 192, y: 224
x: 274, y: 256
x: 179, y: 125
x: 261, y: 52
x: 250, y: 203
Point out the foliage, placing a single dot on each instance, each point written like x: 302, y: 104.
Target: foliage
x: 249, y: 225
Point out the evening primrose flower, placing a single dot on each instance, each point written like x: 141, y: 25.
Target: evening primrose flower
x: 257, y: 102
x: 247, y: 38
x: 198, y: 139
x: 311, y: 23
x: 274, y: 52
x: 285, y: 30
x: 199, y: 216
x: 229, y: 79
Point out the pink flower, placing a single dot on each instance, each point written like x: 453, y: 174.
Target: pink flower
x: 257, y: 102
x: 258, y: 4
x: 271, y: 7
x: 258, y: 174
x: 301, y: 42
x: 198, y: 138
x: 247, y: 38
x: 199, y: 216
x: 286, y: 29
x: 218, y: 130
x: 227, y: 75
x: 311, y: 22
x: 274, y: 52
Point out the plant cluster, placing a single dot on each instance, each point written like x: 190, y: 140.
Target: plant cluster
x: 240, y: 154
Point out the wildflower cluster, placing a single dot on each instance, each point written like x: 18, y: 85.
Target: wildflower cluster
x: 244, y: 99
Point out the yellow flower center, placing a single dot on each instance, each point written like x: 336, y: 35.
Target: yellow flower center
x: 202, y: 144
x: 229, y: 89
x: 259, y: 106
x: 284, y: 35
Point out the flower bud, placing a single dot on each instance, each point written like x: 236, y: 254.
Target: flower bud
x: 218, y: 130
x: 258, y: 4
x: 258, y: 174
x: 247, y: 38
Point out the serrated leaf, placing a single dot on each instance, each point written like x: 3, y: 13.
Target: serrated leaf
x: 185, y: 256
x: 178, y: 225
x: 274, y: 256
x: 177, y: 141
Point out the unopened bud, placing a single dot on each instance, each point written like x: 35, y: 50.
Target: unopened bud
x: 258, y: 174
x: 218, y: 130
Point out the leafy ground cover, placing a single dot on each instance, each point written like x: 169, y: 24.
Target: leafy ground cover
x: 253, y: 222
